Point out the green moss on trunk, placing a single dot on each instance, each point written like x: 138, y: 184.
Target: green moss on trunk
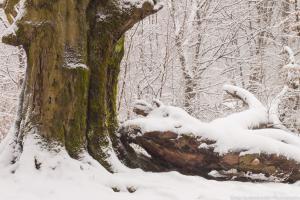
x: 56, y: 92
x: 104, y: 57
x: 73, y: 66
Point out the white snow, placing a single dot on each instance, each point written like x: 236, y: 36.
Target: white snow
x: 61, y: 178
x: 253, y: 117
x: 133, y: 3
x: 249, y: 175
x: 77, y: 65
x: 127, y: 4
x: 139, y: 150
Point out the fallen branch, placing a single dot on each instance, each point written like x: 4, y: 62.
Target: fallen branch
x: 244, y: 95
x: 254, y: 117
x: 142, y: 108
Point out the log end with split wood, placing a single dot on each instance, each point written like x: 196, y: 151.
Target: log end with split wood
x: 243, y: 146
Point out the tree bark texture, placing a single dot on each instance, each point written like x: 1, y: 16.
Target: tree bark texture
x: 74, y: 50
x: 170, y: 152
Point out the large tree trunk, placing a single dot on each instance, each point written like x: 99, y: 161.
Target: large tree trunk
x: 74, y: 49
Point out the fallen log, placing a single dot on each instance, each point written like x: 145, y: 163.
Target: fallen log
x: 191, y: 155
x: 230, y: 148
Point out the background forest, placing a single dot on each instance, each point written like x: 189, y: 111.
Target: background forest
x: 183, y: 55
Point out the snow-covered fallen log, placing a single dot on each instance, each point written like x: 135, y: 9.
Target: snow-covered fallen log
x: 231, y: 148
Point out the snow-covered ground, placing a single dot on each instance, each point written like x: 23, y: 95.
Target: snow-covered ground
x: 74, y: 180
x: 43, y: 175
x: 97, y: 184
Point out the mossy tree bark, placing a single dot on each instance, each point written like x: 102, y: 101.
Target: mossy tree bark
x: 74, y: 49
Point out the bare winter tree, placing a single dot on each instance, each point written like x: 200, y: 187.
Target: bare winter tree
x: 12, y: 66
x: 209, y: 43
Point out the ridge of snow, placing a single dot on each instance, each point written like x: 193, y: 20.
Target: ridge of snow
x: 134, y: 3
x: 127, y: 4
x: 246, y: 96
x: 76, y: 65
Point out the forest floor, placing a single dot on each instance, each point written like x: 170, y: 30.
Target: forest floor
x: 152, y: 186
x: 44, y: 175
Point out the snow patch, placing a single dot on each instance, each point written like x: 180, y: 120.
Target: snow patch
x: 100, y: 16
x: 128, y: 4
x: 76, y: 65
x: 140, y: 150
